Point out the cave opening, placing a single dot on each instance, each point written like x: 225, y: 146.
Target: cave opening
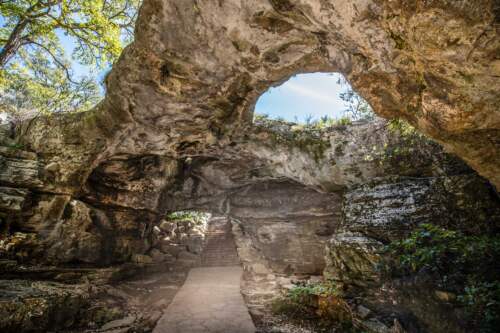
x: 203, y: 246
x: 196, y: 238
x: 319, y: 98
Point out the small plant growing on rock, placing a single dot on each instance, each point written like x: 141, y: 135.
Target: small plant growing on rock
x: 319, y: 303
x: 402, y: 127
x: 260, y: 117
x: 15, y: 146
x: 197, y: 218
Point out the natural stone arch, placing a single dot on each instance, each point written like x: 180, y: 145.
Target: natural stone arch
x: 186, y: 89
x: 189, y: 81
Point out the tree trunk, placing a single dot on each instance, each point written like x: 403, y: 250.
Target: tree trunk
x: 13, y: 43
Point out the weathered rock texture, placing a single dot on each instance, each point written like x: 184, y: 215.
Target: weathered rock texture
x: 189, y: 81
x: 388, y: 209
x: 174, y: 132
x: 289, y: 193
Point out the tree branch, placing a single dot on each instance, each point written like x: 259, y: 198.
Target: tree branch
x: 56, y: 60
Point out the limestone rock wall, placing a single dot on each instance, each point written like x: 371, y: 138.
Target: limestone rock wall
x: 39, y: 225
x: 27, y: 307
x: 286, y: 222
x: 293, y: 197
x: 346, y: 155
x: 388, y: 209
x: 190, y: 79
x: 189, y: 82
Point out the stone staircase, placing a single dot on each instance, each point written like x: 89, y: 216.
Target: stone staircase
x: 219, y: 249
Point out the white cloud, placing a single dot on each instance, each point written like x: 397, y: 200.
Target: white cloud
x: 310, y: 93
x: 315, y: 94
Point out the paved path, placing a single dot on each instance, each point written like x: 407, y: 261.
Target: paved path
x: 209, y: 302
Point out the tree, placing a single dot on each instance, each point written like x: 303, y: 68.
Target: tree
x: 35, y: 72
x: 40, y: 87
x: 357, y: 108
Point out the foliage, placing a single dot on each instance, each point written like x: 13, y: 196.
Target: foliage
x: 402, y: 127
x: 258, y: 117
x: 406, y: 152
x: 36, y: 74
x: 325, y: 289
x: 482, y: 304
x: 318, y: 303
x: 309, y: 138
x: 39, y: 87
x: 310, y: 123
x: 466, y: 265
x: 357, y: 108
x: 196, y: 217
x: 329, y: 122
x: 15, y: 146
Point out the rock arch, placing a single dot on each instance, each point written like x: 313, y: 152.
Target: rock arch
x: 189, y: 81
x: 175, y: 132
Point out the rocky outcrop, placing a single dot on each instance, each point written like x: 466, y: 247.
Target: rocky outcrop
x: 289, y: 192
x: 188, y: 83
x: 376, y: 213
x: 27, y: 307
x: 180, y: 238
x: 243, y: 48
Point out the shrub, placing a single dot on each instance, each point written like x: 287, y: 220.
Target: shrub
x: 465, y: 265
x: 402, y: 127
x: 15, y: 146
x: 197, y: 218
x: 319, y: 303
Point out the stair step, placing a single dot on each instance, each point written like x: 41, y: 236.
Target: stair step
x: 219, y: 249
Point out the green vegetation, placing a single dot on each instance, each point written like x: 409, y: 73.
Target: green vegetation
x: 35, y: 73
x: 404, y: 152
x: 403, y: 128
x: 324, y: 122
x: 15, y: 146
x: 464, y: 265
x: 197, y: 218
x: 318, y: 304
x: 308, y: 138
x: 357, y: 108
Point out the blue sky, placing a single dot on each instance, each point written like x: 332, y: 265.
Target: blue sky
x: 315, y: 94
x: 68, y: 44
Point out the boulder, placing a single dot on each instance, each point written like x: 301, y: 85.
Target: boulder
x: 194, y: 244
x: 20, y: 168
x: 141, y: 259
x: 27, y: 306
x: 12, y: 199
x: 353, y: 259
x: 172, y: 248
x: 168, y: 226
x: 75, y: 237
x: 159, y: 256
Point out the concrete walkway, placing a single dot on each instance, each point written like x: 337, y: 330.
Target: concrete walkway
x: 209, y: 302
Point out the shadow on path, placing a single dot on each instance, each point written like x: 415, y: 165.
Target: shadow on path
x: 209, y: 302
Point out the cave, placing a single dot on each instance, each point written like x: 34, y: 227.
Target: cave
x: 85, y: 197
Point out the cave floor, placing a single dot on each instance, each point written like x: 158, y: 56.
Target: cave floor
x: 210, y: 302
